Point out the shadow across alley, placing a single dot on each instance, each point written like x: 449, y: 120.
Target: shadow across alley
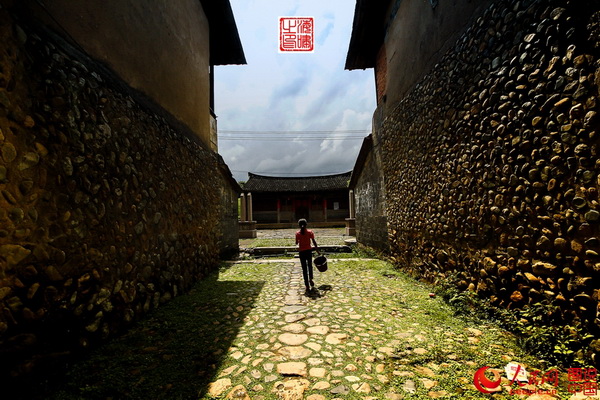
x: 249, y: 332
x: 173, y: 353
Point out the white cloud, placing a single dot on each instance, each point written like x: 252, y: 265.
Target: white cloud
x: 233, y: 153
x: 292, y: 92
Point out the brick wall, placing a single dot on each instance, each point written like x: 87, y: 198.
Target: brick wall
x: 381, y: 74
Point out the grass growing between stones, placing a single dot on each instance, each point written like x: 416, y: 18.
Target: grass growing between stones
x: 395, y: 341
x: 430, y: 352
x: 173, y: 353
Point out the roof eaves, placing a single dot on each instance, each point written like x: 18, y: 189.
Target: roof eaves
x: 367, y: 34
x: 263, y: 183
x: 226, y: 172
x: 225, y: 44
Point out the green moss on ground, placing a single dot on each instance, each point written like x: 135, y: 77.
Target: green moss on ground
x: 402, y: 338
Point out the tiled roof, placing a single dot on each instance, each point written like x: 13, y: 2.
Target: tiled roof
x: 262, y: 183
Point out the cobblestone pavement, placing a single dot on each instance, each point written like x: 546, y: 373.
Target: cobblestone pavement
x: 250, y: 332
x: 316, y: 342
x: 355, y: 338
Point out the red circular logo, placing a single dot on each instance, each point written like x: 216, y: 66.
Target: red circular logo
x: 483, y: 384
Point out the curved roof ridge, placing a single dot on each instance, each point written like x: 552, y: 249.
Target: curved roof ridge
x: 250, y: 174
x: 316, y: 183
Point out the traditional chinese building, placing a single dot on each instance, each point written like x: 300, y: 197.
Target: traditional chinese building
x: 282, y: 201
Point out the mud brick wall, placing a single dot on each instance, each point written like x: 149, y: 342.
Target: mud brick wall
x: 106, y: 209
x: 491, y: 162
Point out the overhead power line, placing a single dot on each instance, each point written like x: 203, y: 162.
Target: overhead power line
x: 275, y: 173
x: 292, y: 135
x: 292, y: 131
x: 288, y: 139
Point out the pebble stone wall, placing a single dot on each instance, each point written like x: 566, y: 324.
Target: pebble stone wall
x: 371, y: 222
x: 106, y: 210
x: 491, y: 162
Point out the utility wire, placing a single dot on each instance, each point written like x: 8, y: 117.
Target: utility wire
x: 271, y: 173
x: 292, y: 135
x: 292, y: 131
x: 309, y: 135
x: 272, y: 139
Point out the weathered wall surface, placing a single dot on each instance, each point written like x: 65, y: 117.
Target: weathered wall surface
x: 369, y: 194
x: 416, y: 36
x: 491, y: 162
x: 156, y: 46
x: 106, y: 210
x: 229, y: 242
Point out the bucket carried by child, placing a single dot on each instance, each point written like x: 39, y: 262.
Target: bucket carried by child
x: 321, y: 263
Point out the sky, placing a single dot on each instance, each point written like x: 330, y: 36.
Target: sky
x: 292, y: 114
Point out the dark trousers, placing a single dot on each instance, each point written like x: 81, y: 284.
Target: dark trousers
x: 307, y: 269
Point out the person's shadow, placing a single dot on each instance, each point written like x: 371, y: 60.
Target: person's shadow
x: 319, y: 292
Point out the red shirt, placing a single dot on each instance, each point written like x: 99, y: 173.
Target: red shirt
x: 304, y: 240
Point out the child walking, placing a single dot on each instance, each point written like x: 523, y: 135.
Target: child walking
x: 303, y: 239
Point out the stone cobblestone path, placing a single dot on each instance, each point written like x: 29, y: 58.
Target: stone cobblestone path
x: 250, y: 332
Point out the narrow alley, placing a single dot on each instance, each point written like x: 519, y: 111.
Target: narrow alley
x: 249, y: 332
x: 445, y: 153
